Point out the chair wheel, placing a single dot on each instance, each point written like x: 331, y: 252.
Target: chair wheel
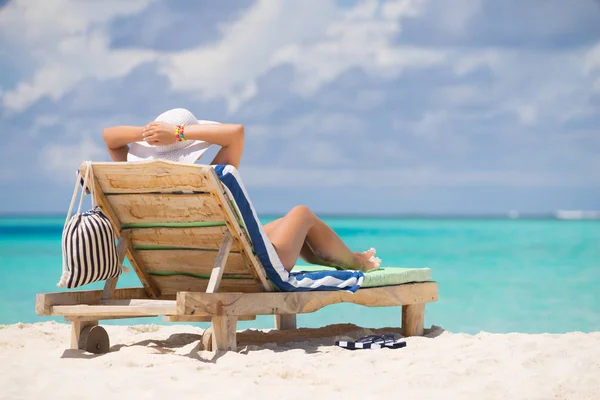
x: 207, y: 339
x: 94, y: 339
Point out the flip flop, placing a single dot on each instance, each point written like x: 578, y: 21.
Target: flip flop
x: 373, y: 342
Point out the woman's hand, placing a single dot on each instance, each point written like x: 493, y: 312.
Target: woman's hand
x: 159, y: 133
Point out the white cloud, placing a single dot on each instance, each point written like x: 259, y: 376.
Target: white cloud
x: 42, y: 122
x: 437, y: 129
x: 230, y: 67
x: 316, y: 124
x: 591, y: 65
x: 60, y: 160
x: 67, y: 41
x: 535, y: 86
x: 317, y: 39
x: 456, y: 94
x: 323, y: 154
x: 368, y: 99
x: 453, y: 19
x: 419, y: 176
x: 470, y: 61
x: 365, y: 37
x: 592, y: 59
x: 428, y: 126
x: 527, y: 114
x: 48, y: 20
x: 319, y: 46
x: 361, y: 37
x: 401, y: 8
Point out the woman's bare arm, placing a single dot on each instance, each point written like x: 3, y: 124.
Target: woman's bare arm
x: 117, y: 139
x: 161, y: 133
x: 229, y: 136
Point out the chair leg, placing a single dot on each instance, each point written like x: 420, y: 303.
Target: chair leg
x: 76, y: 328
x: 412, y: 319
x: 285, y: 322
x: 224, y: 333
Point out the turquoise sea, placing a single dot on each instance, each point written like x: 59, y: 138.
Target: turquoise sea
x: 533, y: 276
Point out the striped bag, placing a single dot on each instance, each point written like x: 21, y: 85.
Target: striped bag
x: 89, y: 251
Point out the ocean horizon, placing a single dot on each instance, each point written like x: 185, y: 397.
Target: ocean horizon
x: 529, y: 275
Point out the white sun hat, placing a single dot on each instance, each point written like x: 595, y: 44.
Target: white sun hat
x: 186, y: 152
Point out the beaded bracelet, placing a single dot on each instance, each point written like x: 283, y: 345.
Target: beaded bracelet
x: 179, y: 134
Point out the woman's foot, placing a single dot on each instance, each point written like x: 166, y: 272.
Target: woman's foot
x: 367, y: 260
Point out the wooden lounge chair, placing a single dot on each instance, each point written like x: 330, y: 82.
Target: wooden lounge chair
x: 188, y: 246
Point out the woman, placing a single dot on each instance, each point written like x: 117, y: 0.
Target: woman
x: 177, y: 135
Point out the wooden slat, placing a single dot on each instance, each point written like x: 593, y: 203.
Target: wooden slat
x: 301, y: 302
x: 190, y: 261
x: 254, y: 264
x: 153, y: 176
x: 102, y: 201
x: 103, y: 317
x: 44, y: 301
x: 193, y: 318
x: 219, y: 265
x: 208, y: 238
x: 111, y: 283
x: 171, y: 285
x: 164, y: 177
x: 149, y: 208
x: 149, y: 285
x: 138, y: 308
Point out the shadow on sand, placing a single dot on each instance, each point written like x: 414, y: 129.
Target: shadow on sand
x: 310, y: 340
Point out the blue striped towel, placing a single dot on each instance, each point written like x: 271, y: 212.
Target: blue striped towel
x: 283, y: 280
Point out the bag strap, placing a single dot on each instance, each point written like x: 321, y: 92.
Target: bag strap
x: 92, y: 183
x: 86, y: 179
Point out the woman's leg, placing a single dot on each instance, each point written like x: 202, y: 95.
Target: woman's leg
x: 306, y: 253
x: 301, y: 227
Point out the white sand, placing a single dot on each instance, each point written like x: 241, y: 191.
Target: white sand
x: 164, y: 363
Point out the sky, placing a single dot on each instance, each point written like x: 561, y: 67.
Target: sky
x: 349, y: 107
